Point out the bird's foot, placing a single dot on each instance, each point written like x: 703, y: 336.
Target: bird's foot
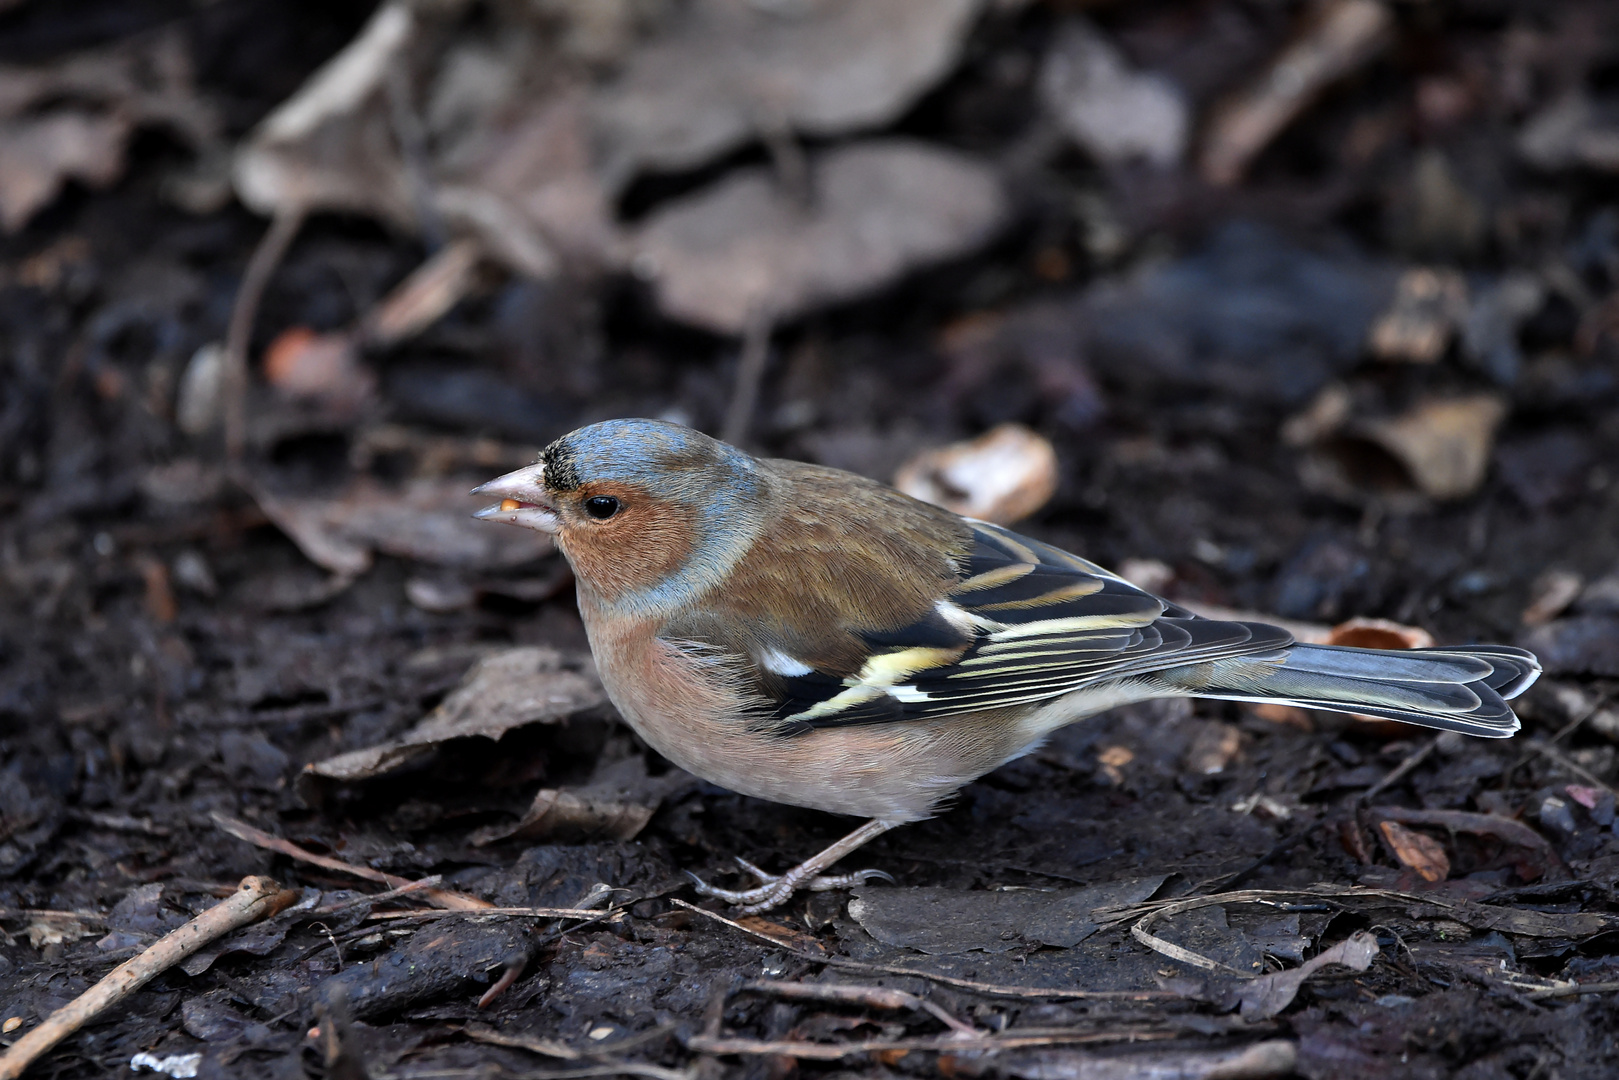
x: 775, y: 890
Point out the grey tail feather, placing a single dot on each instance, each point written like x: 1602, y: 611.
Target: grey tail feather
x: 1462, y: 689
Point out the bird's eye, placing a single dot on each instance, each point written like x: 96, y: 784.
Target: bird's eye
x: 601, y: 507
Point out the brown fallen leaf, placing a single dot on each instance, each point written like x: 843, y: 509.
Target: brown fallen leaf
x: 1268, y: 995
x: 304, y: 364
x: 1550, y: 595
x: 1002, y: 476
x: 529, y: 684
x: 725, y: 72
x: 1443, y: 444
x: 426, y: 520
x: 1338, y: 37
x: 38, y: 155
x: 1529, y: 854
x: 71, y: 119
x: 1366, y: 633
x: 616, y: 804
x: 877, y: 210
x: 1113, y: 113
x: 1213, y: 748
x: 1429, y: 306
x: 1417, y: 851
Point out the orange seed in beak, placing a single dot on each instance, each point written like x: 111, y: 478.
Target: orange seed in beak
x: 509, y: 504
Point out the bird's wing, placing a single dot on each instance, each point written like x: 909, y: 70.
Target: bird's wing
x: 1026, y: 622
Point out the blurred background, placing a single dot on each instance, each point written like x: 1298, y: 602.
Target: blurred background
x: 1309, y: 309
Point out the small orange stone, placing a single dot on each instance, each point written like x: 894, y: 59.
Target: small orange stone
x: 509, y: 504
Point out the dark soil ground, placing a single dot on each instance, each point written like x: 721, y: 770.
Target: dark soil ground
x: 140, y: 697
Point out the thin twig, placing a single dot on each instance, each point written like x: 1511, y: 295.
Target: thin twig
x: 874, y: 997
x: 588, y: 914
x: 1573, y: 991
x: 444, y: 898
x: 812, y: 1051
x: 750, y: 371
x: 257, y: 898
x: 239, y: 333
x: 1555, y: 756
x: 1400, y: 771
x: 990, y: 989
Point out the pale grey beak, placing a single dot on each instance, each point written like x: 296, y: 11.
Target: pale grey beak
x: 524, y: 500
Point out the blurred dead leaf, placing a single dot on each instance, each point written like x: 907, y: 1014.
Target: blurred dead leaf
x: 1113, y: 113
x: 1443, y: 444
x: 1268, y: 995
x: 877, y: 209
x: 425, y: 520
x: 501, y: 111
x: 1417, y: 851
x: 1213, y: 748
x: 729, y: 71
x: 1366, y: 633
x: 1339, y: 37
x: 530, y: 684
x: 72, y: 119
x: 1429, y: 305
x: 1003, y: 476
x: 1550, y: 595
x: 616, y: 805
x: 1572, y: 131
x: 304, y: 364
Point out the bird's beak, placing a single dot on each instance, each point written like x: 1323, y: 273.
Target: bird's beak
x: 523, y: 500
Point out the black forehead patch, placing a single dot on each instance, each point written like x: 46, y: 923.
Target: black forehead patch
x: 561, y: 467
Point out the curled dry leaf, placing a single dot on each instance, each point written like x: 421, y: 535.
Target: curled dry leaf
x: 616, y: 805
x: 1443, y: 444
x: 1268, y: 995
x: 1417, y: 851
x: 425, y: 520
x: 1365, y: 633
x: 72, y: 119
x: 1429, y: 305
x: 1509, y: 842
x: 877, y: 210
x: 508, y: 689
x: 1340, y: 37
x: 1004, y: 475
x: 728, y: 71
x: 1114, y: 113
x: 304, y: 364
x: 1551, y: 595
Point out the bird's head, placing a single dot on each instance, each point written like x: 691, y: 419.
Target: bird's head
x: 645, y: 511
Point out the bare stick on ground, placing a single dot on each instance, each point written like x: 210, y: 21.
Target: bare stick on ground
x: 444, y: 898
x: 257, y: 898
x: 239, y: 333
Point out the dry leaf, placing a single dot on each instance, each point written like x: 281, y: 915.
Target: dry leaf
x: 1213, y: 748
x: 616, y: 805
x: 1551, y: 595
x: 88, y: 104
x: 1114, y: 113
x: 40, y: 154
x: 1429, y: 305
x: 1443, y: 444
x: 877, y: 210
x: 303, y: 364
x: 1418, y: 851
x: 1268, y: 995
x: 530, y: 684
x: 1365, y: 633
x: 1571, y: 131
x: 426, y: 520
x: 1002, y: 476
x: 728, y: 71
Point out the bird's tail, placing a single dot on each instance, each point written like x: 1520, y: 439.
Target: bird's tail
x: 1462, y: 690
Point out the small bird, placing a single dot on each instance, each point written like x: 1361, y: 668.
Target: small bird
x: 813, y: 637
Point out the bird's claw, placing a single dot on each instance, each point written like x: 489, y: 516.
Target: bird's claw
x: 774, y: 890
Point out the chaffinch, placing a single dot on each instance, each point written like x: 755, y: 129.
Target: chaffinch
x: 806, y: 635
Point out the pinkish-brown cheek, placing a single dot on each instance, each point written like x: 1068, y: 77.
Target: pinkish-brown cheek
x: 635, y: 553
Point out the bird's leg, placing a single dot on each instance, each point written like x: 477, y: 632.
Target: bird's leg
x: 777, y: 889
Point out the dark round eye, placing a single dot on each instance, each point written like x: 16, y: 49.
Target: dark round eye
x: 601, y: 507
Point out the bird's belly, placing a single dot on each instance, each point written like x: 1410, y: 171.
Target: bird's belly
x: 688, y: 710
